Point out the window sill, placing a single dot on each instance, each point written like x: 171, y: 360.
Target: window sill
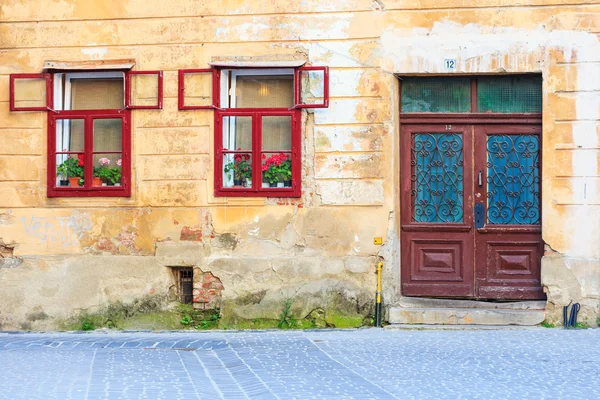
x: 105, y: 191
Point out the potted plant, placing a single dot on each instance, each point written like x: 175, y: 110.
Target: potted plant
x: 73, y: 169
x: 115, y: 176
x: 102, y: 174
x: 63, y: 174
x: 241, y: 169
x: 277, y: 170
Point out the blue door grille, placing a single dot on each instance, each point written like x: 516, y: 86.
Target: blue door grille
x: 437, y: 177
x: 513, y: 180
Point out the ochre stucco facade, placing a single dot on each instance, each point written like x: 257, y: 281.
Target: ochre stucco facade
x: 64, y: 255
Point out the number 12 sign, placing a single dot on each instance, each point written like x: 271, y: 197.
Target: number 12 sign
x: 450, y: 64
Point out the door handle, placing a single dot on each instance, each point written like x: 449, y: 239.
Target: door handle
x: 479, y: 179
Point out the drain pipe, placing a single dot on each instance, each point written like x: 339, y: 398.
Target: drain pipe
x: 378, y: 296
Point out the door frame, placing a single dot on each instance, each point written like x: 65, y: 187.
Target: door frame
x: 441, y: 119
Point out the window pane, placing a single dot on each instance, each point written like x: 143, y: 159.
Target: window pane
x: 276, y: 169
x: 264, y: 91
x: 97, y: 94
x: 69, y: 135
x: 237, y: 133
x: 69, y: 170
x: 277, y: 132
x: 436, y: 94
x: 513, y: 180
x: 108, y: 134
x: 437, y: 177
x: 312, y: 87
x: 198, y: 88
x: 509, y: 94
x: 107, y: 169
x: 144, y: 89
x: 30, y: 92
x: 237, y: 170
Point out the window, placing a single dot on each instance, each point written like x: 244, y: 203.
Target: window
x: 483, y: 94
x: 257, y: 123
x: 186, y: 285
x: 89, y: 125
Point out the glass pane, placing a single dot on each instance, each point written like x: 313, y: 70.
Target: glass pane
x: 509, y: 94
x: 198, y: 88
x: 276, y: 169
x: 437, y: 177
x: 436, y: 94
x: 108, y: 134
x: 144, y: 89
x: 237, y: 133
x: 312, y: 87
x: 277, y: 132
x: 69, y: 135
x: 264, y: 91
x: 513, y: 180
x: 97, y: 94
x: 237, y: 170
x: 30, y: 92
x: 69, y: 170
x: 107, y: 169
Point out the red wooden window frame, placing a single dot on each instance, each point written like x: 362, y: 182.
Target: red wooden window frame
x: 256, y: 152
x: 215, y: 88
x: 49, y: 91
x: 298, y: 87
x: 128, y: 104
x: 88, y: 190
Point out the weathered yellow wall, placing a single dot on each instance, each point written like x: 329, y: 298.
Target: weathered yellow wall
x: 323, y: 241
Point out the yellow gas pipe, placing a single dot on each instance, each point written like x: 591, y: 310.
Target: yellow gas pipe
x: 378, y: 296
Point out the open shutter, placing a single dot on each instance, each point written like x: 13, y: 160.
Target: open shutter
x: 144, y: 90
x: 312, y: 87
x: 198, y: 89
x: 30, y: 92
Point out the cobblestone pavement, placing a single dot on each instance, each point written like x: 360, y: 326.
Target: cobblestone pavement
x: 352, y: 364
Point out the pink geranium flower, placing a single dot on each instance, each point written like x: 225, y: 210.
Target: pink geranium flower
x: 104, y: 161
x: 119, y: 162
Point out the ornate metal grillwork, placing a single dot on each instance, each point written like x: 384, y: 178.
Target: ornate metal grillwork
x: 513, y: 182
x: 437, y: 177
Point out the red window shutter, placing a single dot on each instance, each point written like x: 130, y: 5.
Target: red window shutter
x: 31, y: 92
x: 144, y: 90
x: 198, y: 89
x: 312, y: 87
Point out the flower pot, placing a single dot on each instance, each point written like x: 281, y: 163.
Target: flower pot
x: 248, y: 183
x: 74, y: 181
x: 237, y: 182
x: 280, y: 184
x: 64, y: 182
x: 272, y: 184
x: 96, y: 181
x: 287, y: 183
x: 265, y: 184
x: 118, y: 184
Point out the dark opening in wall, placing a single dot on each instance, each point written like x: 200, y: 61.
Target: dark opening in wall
x: 186, y: 285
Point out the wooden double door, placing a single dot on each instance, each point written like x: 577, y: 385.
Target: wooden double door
x: 471, y: 211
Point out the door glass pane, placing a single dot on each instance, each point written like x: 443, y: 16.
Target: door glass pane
x: 513, y: 181
x: 277, y: 132
x: 436, y: 94
x: 437, y: 177
x: 237, y: 133
x: 509, y: 94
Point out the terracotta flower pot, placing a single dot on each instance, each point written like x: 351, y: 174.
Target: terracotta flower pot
x: 96, y: 181
x: 74, y: 181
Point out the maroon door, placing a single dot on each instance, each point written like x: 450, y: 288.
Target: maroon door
x: 437, y: 210
x: 470, y: 211
x: 508, y: 236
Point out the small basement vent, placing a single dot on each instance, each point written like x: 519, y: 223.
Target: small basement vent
x: 186, y: 285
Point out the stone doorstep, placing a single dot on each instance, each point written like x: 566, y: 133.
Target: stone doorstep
x: 425, y: 302
x: 465, y: 316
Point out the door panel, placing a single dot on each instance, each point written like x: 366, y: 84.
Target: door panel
x: 509, y: 246
x: 436, y: 199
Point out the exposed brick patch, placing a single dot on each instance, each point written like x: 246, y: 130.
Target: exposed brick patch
x: 105, y: 244
x: 207, y: 292
x: 191, y: 234
x: 6, y: 249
